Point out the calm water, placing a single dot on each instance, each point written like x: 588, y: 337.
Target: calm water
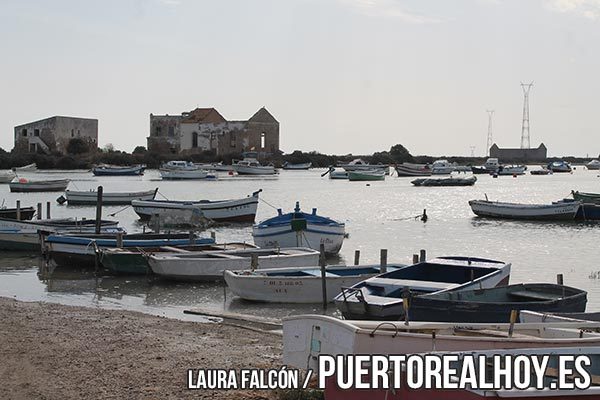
x: 377, y: 216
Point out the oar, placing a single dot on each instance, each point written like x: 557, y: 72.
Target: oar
x: 328, y: 171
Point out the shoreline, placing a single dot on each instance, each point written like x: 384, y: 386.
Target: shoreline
x: 55, y: 351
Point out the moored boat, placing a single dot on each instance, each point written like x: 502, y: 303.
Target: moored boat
x: 176, y: 174
x: 511, y: 170
x: 90, y: 197
x: 407, y: 169
x: 300, y: 229
x: 366, y: 175
x: 301, y: 285
x: 23, y: 185
x: 584, y: 197
x: 559, y: 166
x: 26, y: 168
x: 495, y: 304
x: 361, y: 165
x: 251, y: 166
x: 541, y: 171
x: 540, y: 212
x: 117, y: 170
x: 470, y: 181
x: 6, y: 176
x: 236, y: 210
x: 381, y: 297
x: 491, y: 165
x: 593, y: 165
x: 210, y: 265
x: 336, y: 174
x: 25, y: 213
x: 287, y: 165
x: 442, y: 167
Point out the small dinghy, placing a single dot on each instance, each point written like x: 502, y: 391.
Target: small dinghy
x: 23, y: 185
x: 287, y: 165
x: 380, y: 297
x: 90, y: 197
x: 300, y: 229
x: 116, y: 170
x: 407, y: 169
x: 540, y: 212
x: 298, y: 285
x: 495, y: 304
x: 210, y: 265
x: 367, y: 175
x: 593, y: 198
x: 470, y: 181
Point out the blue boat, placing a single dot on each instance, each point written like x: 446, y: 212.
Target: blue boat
x: 586, y: 211
x: 81, y: 250
x: 115, y: 170
x: 300, y: 229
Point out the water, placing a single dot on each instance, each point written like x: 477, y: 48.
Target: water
x: 377, y: 215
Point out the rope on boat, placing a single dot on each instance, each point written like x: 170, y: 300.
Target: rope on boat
x: 165, y: 197
x: 117, y: 212
x: 267, y: 203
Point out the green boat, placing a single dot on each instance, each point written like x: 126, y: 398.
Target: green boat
x: 134, y: 261
x: 586, y: 197
x: 366, y: 175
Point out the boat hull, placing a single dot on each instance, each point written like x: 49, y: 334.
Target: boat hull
x: 362, y: 175
x: 445, y: 181
x: 91, y: 197
x: 40, y: 186
x: 131, y: 171
x: 550, y: 212
x: 283, y: 236
x: 263, y: 170
x: 403, y: 170
x: 173, y: 174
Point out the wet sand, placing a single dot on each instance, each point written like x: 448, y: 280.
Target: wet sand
x: 52, y: 351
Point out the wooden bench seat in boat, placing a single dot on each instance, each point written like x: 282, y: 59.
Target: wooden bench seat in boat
x: 409, y: 283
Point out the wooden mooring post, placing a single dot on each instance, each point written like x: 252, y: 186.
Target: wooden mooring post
x: 415, y: 258
x: 18, y: 210
x: 383, y: 261
x: 39, y: 210
x: 559, y: 279
x: 356, y: 257
x: 422, y: 255
x: 47, y: 210
x: 322, y: 264
x: 99, y: 210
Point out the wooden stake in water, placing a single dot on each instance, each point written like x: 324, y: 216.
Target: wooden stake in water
x: 39, y: 210
x: 99, y: 210
x: 513, y: 319
x: 423, y: 256
x: 356, y: 257
x: 559, y: 279
x: 383, y: 261
x: 18, y: 210
x: 415, y: 258
x: 47, y: 210
x: 322, y: 264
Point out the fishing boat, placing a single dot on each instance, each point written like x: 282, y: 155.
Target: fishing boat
x: 25, y: 213
x: 381, y: 297
x: 559, y: 166
x: 361, y: 165
x: 134, y: 260
x: 298, y: 285
x: 407, y: 169
x: 587, y: 211
x: 210, y: 265
x: 593, y: 165
x: 336, y: 174
x: 116, y: 170
x: 541, y: 171
x: 250, y: 166
x: 305, y: 337
x: 175, y: 174
x: 180, y: 165
x: 491, y: 165
x: 485, y: 363
x: 90, y: 197
x: 511, y: 170
x: 470, y: 181
x: 6, y: 176
x: 23, y: 185
x: 366, y: 175
x: 237, y: 210
x: 300, y: 229
x: 495, y: 304
x: 26, y: 168
x: 287, y: 165
x: 442, y: 167
x: 584, y: 197
x: 25, y: 235
x: 539, y: 212
x: 80, y: 250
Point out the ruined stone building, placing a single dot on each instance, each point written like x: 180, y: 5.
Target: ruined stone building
x: 519, y: 155
x: 205, y: 129
x: 54, y: 133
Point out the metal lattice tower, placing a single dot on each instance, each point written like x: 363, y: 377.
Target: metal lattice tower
x: 490, y: 140
x: 472, y: 151
x: 525, y: 141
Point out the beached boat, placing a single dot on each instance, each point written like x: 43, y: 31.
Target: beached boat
x: 593, y: 165
x: 495, y: 304
x: 381, y: 297
x: 287, y: 165
x: 25, y: 235
x: 25, y: 185
x: 250, y: 166
x: 134, y: 260
x: 511, y: 170
x: 90, y: 197
x: 584, y: 197
x: 25, y: 213
x: 305, y: 337
x: 6, y: 176
x: 300, y: 229
x: 541, y: 171
x: 540, y: 212
x: 559, y: 166
x: 80, y: 250
x: 366, y: 175
x: 298, y: 285
x: 26, y: 168
x: 116, y: 170
x: 470, y: 181
x: 547, y: 390
x: 210, y: 265
x: 407, y: 169
x: 237, y: 210
x: 442, y: 167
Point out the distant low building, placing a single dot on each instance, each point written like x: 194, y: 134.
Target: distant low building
x: 54, y: 133
x: 519, y: 155
x: 205, y: 129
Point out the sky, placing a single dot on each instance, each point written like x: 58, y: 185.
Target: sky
x: 340, y: 76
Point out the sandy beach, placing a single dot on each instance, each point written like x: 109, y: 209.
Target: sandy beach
x: 52, y: 351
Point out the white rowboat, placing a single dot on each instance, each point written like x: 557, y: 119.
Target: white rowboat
x: 24, y: 185
x: 542, y: 212
x: 91, y: 197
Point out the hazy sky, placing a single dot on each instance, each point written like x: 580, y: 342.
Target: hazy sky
x: 341, y: 76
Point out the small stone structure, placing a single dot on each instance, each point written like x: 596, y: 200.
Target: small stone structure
x: 54, y: 133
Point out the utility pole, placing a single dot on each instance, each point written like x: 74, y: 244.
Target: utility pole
x: 490, y: 140
x: 525, y: 140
